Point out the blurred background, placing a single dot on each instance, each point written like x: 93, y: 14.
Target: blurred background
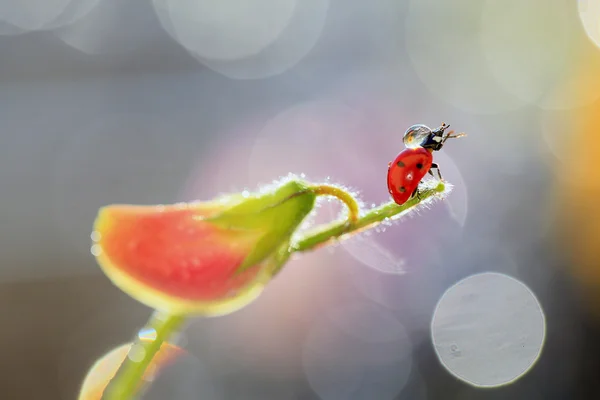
x: 493, y: 293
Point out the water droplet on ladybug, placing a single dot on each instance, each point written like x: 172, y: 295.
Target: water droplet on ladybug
x: 416, y: 135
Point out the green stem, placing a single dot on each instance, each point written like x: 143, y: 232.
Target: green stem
x: 126, y: 383
x: 341, y: 194
x: 376, y: 215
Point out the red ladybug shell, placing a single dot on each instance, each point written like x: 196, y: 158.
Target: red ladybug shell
x: 406, y: 171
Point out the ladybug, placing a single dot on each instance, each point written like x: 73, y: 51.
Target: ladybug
x: 416, y: 160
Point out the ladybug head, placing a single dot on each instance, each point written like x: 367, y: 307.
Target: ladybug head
x: 435, y: 141
x: 422, y: 136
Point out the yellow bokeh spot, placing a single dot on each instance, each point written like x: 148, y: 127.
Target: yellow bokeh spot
x: 578, y: 190
x: 104, y: 369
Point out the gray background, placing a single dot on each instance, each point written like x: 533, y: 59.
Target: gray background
x: 144, y: 122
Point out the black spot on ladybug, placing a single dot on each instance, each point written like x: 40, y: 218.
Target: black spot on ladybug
x: 419, y: 165
x: 400, y: 164
x: 402, y: 189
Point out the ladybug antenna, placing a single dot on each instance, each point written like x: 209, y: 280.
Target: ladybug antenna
x: 440, y: 131
x: 451, y: 135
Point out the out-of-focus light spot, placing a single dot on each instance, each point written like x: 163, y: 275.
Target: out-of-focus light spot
x: 578, y: 87
x: 210, y: 176
x: 556, y: 129
x: 520, y: 391
x: 173, y: 374
x: 362, y: 150
x: 98, y: 165
x: 416, y: 388
x: 416, y: 290
x: 110, y: 27
x: 368, y: 249
x: 525, y: 44
x: 7, y: 29
x: 578, y: 188
x: 31, y: 14
x: 373, y: 254
x: 17, y: 18
x: 300, y: 140
x: 75, y: 10
x: 357, y: 351
x: 136, y: 353
x: 105, y: 368
x: 226, y: 29
x: 488, y: 329
x: 288, y: 142
x: 368, y: 322
x: 458, y: 200
x: 96, y: 250
x: 258, y: 43
x: 589, y: 13
x: 449, y: 58
x: 177, y: 374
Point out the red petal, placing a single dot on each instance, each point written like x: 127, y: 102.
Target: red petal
x: 168, y: 255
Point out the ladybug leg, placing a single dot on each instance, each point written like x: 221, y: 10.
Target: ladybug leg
x: 435, y: 167
x: 451, y: 135
x: 416, y: 193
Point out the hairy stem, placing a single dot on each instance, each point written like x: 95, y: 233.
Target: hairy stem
x: 126, y: 384
x: 341, y: 194
x: 335, y: 230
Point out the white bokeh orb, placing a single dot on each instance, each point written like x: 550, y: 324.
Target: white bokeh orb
x: 589, y: 13
x: 488, y: 329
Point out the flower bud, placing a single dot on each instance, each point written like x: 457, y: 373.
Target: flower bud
x: 206, y: 258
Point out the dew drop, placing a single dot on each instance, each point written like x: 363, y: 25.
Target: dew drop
x: 148, y: 333
x: 245, y: 194
x: 137, y: 353
x: 96, y: 236
x: 96, y: 250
